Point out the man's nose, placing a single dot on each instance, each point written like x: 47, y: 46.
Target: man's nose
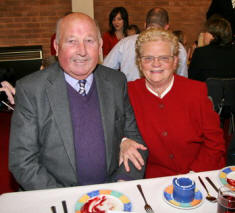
x: 81, y: 49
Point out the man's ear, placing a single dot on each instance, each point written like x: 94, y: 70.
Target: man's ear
x: 100, y: 46
x: 56, y: 46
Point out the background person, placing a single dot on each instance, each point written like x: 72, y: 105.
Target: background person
x: 132, y: 30
x: 215, y: 60
x: 118, y: 23
x: 69, y: 119
x: 181, y: 37
x: 173, y: 113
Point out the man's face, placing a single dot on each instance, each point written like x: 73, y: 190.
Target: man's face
x: 79, y: 46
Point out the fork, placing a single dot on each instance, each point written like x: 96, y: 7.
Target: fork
x: 147, y: 207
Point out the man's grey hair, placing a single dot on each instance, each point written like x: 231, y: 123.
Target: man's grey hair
x: 157, y: 17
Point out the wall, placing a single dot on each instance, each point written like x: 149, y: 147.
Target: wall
x: 30, y: 22
x: 186, y: 15
x: 86, y: 7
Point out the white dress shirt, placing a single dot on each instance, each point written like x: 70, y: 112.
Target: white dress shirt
x: 74, y: 82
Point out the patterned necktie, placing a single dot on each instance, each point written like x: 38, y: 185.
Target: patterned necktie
x: 82, y: 90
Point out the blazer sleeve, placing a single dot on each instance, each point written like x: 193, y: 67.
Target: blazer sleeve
x: 212, y: 153
x: 131, y: 131
x: 24, y: 149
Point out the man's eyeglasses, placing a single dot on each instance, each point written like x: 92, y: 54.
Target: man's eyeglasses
x: 163, y: 59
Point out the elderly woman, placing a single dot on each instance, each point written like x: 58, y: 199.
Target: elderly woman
x: 216, y: 59
x: 174, y: 115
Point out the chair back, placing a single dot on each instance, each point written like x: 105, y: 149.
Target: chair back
x: 222, y: 92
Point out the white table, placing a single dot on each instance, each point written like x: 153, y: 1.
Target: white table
x: 40, y: 201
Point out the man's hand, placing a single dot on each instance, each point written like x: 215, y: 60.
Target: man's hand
x: 9, y: 90
x: 129, y: 151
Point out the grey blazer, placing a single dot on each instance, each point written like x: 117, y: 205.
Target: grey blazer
x: 41, y: 153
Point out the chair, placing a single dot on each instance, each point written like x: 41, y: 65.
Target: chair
x: 231, y: 152
x: 222, y: 92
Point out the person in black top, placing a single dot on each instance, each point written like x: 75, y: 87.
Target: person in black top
x: 215, y: 60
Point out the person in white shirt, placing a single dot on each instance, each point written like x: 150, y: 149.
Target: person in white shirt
x: 123, y: 57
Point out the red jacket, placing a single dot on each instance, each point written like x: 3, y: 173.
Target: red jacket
x: 181, y: 130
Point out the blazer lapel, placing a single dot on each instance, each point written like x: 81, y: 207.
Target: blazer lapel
x: 106, y: 100
x: 57, y: 95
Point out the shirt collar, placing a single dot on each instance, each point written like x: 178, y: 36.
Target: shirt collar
x: 165, y: 92
x: 74, y: 82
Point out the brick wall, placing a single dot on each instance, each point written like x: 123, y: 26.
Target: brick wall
x: 30, y: 22
x: 186, y: 15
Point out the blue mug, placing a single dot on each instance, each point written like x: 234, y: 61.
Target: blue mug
x: 183, y: 190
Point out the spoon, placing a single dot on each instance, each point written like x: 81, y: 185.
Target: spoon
x: 208, y: 197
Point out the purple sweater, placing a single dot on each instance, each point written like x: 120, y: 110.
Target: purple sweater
x: 88, y: 136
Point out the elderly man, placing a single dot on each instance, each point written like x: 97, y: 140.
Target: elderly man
x: 70, y: 119
x: 123, y: 55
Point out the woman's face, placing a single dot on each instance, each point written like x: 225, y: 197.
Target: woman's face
x: 157, y: 63
x: 118, y: 22
x: 207, y: 38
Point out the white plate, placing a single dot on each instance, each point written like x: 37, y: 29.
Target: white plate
x: 223, y: 175
x: 104, y: 200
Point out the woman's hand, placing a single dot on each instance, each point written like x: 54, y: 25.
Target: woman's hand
x: 129, y: 151
x: 9, y: 90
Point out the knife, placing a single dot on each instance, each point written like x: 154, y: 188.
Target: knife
x: 212, y: 184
